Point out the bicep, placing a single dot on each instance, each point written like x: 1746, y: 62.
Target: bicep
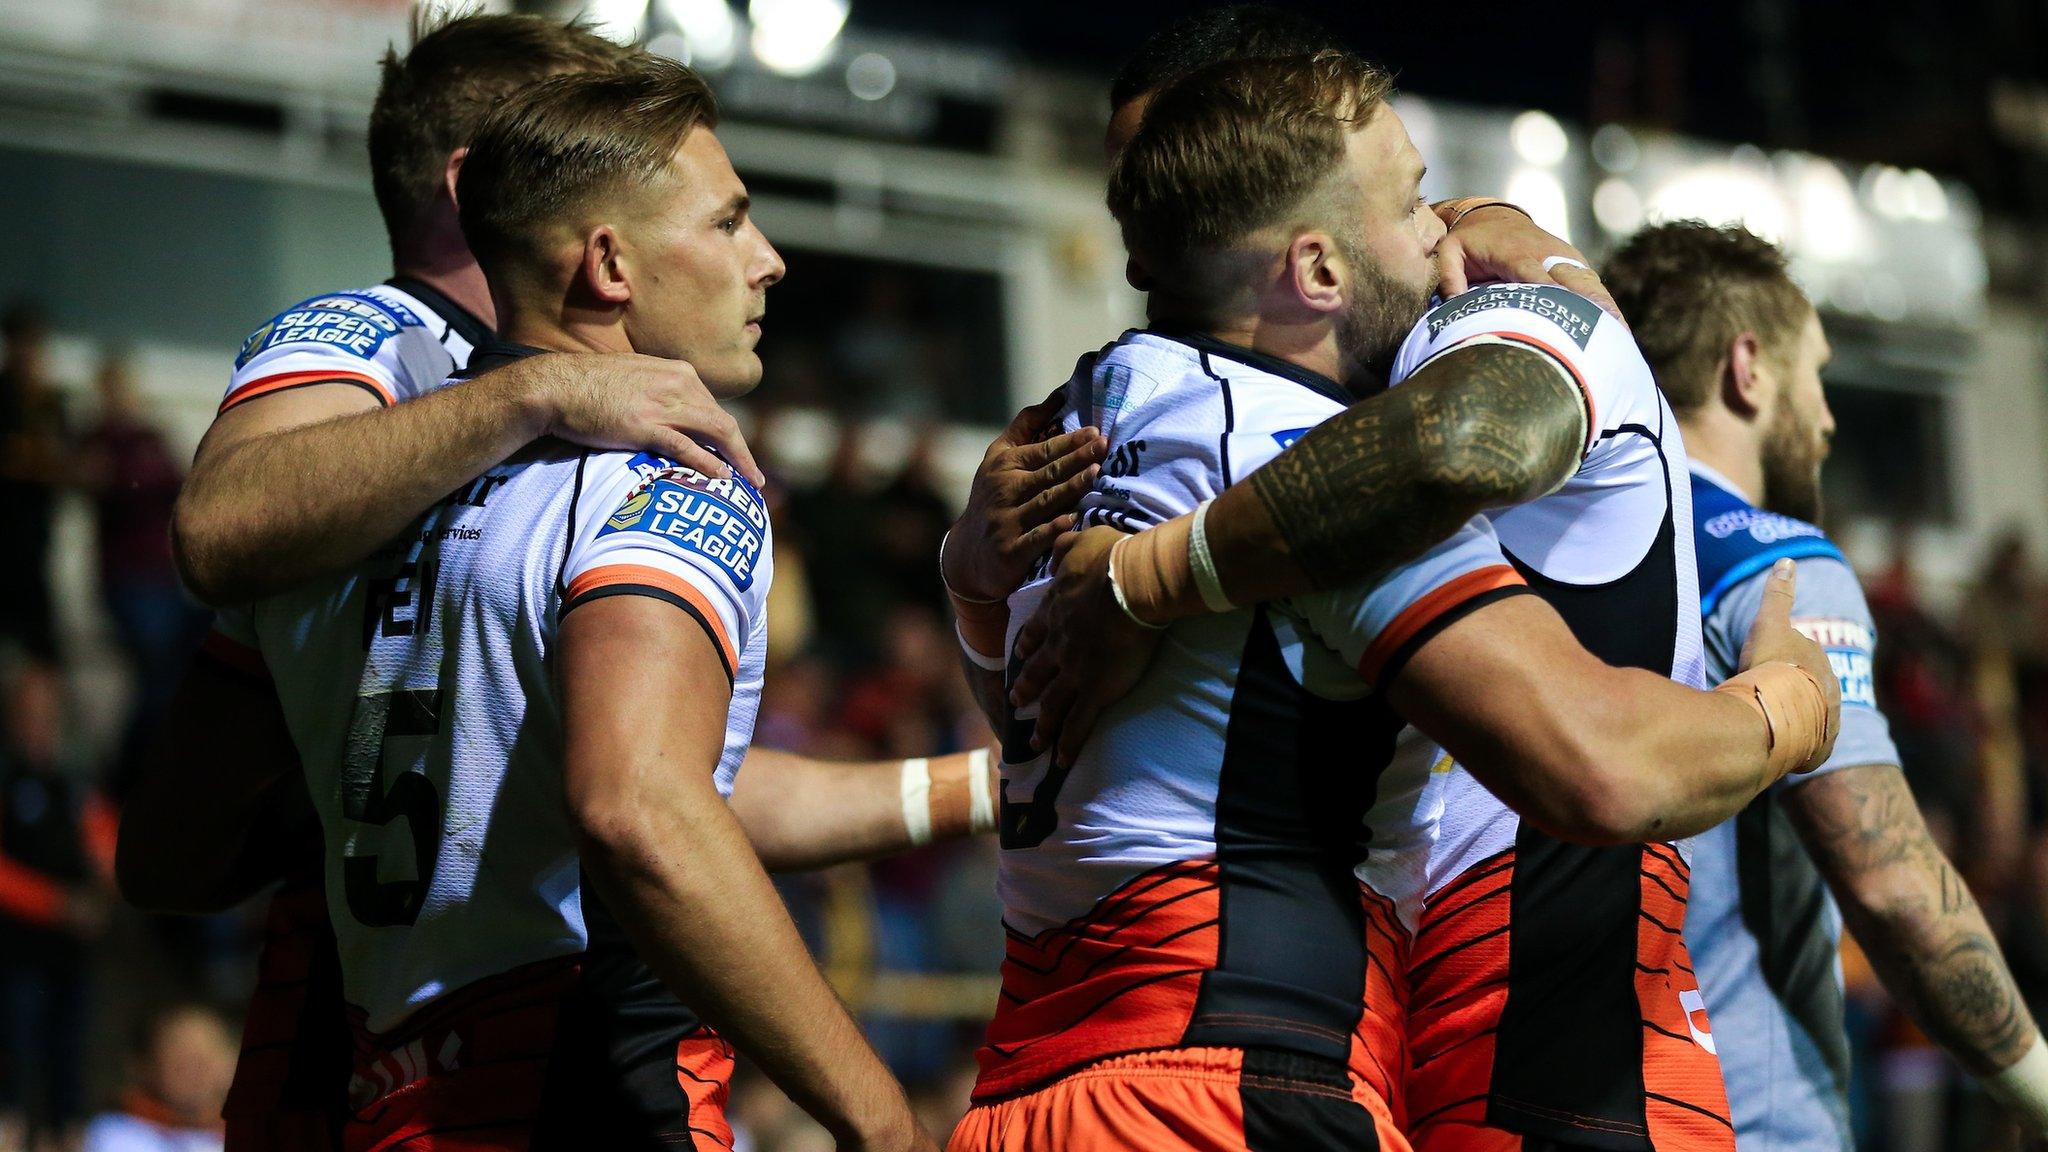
x: 644, y: 698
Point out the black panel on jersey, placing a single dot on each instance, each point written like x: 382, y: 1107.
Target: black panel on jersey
x: 1784, y: 902
x: 1298, y: 775
x: 1296, y: 1103
x: 496, y: 353
x: 1571, y: 1033
x: 612, y: 1074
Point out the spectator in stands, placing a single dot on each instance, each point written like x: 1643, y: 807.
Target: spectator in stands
x: 181, y: 1063
x: 56, y: 885
x: 32, y: 464
x: 133, y: 477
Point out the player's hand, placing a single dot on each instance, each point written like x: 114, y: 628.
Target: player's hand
x: 1023, y: 497
x: 1502, y: 244
x: 634, y: 403
x: 1079, y: 652
x: 1772, y: 637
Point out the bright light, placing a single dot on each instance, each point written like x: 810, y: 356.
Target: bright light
x: 1885, y: 188
x: 1539, y: 192
x: 1724, y: 194
x: 870, y: 76
x: 1539, y: 139
x: 796, y: 37
x: 1831, y: 226
x: 1924, y: 196
x: 1615, y: 149
x: 1618, y: 207
x: 621, y: 21
x: 711, y: 30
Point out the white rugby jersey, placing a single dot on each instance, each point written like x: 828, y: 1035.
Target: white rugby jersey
x: 1551, y: 990
x: 1188, y: 879
x: 396, y: 340
x: 420, y: 694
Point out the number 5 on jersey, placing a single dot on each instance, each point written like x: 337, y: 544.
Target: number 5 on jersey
x: 390, y: 726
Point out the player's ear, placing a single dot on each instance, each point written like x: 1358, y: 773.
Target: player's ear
x: 1747, y: 384
x: 604, y: 266
x: 1319, y: 276
x: 453, y: 170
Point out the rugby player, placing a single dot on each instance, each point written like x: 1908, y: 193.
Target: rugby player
x: 1738, y: 351
x: 549, y: 682
x: 1192, y: 962
x: 308, y: 468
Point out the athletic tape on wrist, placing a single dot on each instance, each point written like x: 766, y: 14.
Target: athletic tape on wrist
x: 917, y: 800
x: 1204, y: 564
x: 1550, y: 262
x: 1116, y: 589
x: 974, y: 656
x: 1795, y: 711
x: 981, y: 804
x: 2024, y: 1087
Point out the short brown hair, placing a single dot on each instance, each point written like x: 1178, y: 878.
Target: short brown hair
x: 546, y: 151
x: 431, y: 100
x: 1232, y: 148
x: 1689, y: 289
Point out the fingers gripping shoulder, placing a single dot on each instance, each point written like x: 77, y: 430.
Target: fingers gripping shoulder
x: 661, y: 529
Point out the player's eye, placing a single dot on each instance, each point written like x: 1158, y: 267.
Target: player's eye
x: 729, y: 225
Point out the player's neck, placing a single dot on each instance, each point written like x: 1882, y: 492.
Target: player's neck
x: 567, y: 333
x: 454, y: 275
x: 1728, y: 446
x: 1310, y: 346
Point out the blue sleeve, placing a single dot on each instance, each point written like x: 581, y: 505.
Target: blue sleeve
x: 1830, y: 610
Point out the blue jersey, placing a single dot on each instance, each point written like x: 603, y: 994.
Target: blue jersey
x: 1763, y: 930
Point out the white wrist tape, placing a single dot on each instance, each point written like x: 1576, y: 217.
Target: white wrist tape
x: 1550, y: 262
x: 981, y: 805
x: 1203, y: 564
x: 976, y: 657
x: 917, y: 801
x: 2023, y: 1088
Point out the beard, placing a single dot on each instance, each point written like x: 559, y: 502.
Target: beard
x: 1380, y: 317
x: 1792, y: 459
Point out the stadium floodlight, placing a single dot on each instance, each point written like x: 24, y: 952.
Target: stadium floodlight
x: 1539, y: 139
x: 870, y: 76
x: 710, y: 31
x: 1618, y: 206
x: 795, y: 37
x: 621, y: 21
x: 1540, y: 193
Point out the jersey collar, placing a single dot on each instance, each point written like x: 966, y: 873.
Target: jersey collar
x: 466, y: 323
x: 1719, y: 481
x: 1273, y: 365
x: 496, y: 353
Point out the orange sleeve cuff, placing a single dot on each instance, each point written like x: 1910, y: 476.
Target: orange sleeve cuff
x: 1439, y: 603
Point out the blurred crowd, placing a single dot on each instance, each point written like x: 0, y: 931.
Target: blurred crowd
x: 117, y: 1030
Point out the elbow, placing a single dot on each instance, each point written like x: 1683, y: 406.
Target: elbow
x: 1599, y: 796
x: 195, y: 547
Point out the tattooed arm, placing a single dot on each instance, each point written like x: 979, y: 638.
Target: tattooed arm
x: 1483, y: 426
x: 1913, y: 914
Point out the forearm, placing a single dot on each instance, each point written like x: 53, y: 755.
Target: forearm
x: 273, y: 510
x: 1378, y: 484
x: 802, y: 813
x: 1915, y: 918
x: 681, y: 877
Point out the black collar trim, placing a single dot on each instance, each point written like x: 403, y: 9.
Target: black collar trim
x: 466, y: 323
x: 1203, y: 342
x: 496, y: 353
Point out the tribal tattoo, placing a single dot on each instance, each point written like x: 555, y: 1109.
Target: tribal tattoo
x: 1380, y: 483
x: 1913, y: 914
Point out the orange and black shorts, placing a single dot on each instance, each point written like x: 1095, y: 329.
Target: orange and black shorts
x: 1552, y: 1005
x: 1190, y: 1100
